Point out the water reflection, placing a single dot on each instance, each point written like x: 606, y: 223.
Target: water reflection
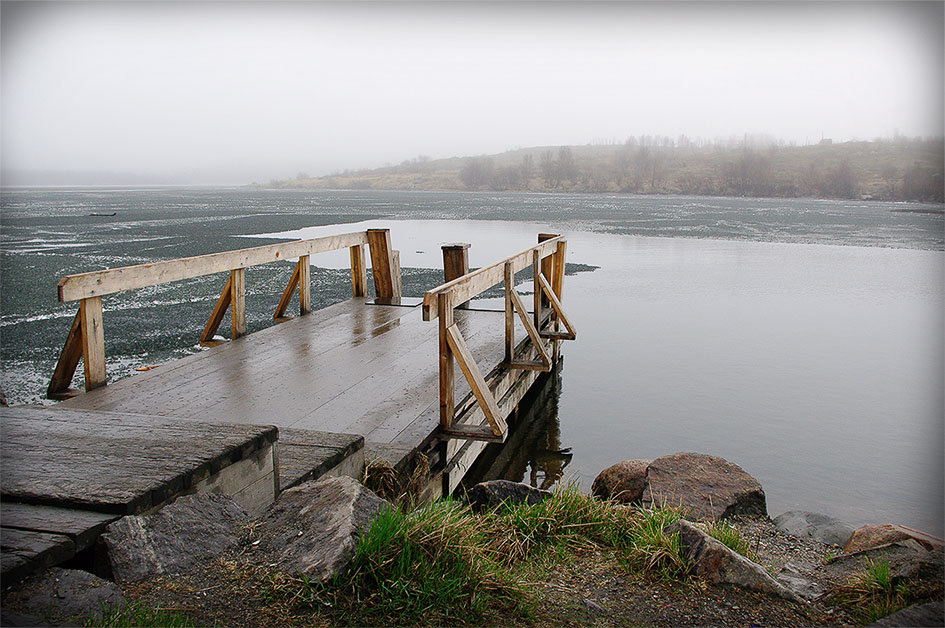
x: 533, y: 452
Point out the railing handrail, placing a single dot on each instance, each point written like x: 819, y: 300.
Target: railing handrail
x: 478, y: 281
x: 102, y: 282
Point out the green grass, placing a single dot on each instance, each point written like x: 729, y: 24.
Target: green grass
x: 729, y: 536
x: 139, y: 615
x: 444, y: 564
x: 873, y: 594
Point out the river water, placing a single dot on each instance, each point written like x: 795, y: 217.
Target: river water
x: 801, y: 339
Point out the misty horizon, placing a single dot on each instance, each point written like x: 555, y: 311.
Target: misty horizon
x: 234, y: 93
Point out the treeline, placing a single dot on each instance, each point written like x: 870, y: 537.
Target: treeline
x: 900, y: 169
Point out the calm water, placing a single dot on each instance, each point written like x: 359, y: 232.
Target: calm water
x: 802, y: 340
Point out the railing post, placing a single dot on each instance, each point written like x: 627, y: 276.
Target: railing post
x: 547, y: 264
x: 557, y: 286
x: 305, y: 285
x: 358, y: 271
x: 382, y: 264
x: 509, y: 314
x: 455, y: 264
x: 445, y: 311
x: 237, y: 303
x: 93, y: 341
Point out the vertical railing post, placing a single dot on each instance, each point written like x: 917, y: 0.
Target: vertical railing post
x: 509, y: 313
x: 536, y: 269
x: 547, y: 264
x: 557, y: 286
x: 455, y: 264
x: 93, y: 341
x: 358, y: 271
x: 445, y: 318
x: 237, y: 303
x: 382, y: 264
x: 305, y: 284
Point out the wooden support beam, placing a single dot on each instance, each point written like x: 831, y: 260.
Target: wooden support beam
x: 571, y: 334
x: 446, y: 361
x: 476, y: 381
x: 396, y: 275
x: 557, y: 284
x: 301, y: 279
x: 280, y: 316
x: 216, y: 317
x: 93, y: 341
x: 531, y: 329
x: 358, y: 271
x: 237, y: 303
x: 536, y: 290
x: 59, y: 385
x: 455, y: 264
x: 509, y: 314
x: 305, y: 284
x: 382, y: 264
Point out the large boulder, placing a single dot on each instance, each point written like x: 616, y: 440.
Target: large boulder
x: 875, y: 535
x: 711, y: 487
x: 313, y: 528
x: 916, y: 616
x: 624, y: 481
x: 712, y: 560
x: 180, y: 535
x: 492, y: 493
x: 823, y: 528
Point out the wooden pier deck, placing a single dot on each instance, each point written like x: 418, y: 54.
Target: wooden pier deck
x: 352, y: 368
x: 321, y: 393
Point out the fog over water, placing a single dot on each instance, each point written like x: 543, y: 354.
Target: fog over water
x: 236, y: 92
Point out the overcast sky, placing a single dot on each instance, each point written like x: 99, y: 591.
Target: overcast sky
x: 249, y: 91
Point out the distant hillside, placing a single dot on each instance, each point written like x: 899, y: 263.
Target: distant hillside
x: 899, y: 170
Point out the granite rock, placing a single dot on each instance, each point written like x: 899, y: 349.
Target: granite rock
x: 712, y: 488
x: 623, y: 482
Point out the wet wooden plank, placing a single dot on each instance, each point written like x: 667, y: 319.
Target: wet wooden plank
x: 26, y: 551
x: 82, y: 526
x: 111, y: 462
x: 281, y: 361
x: 305, y: 455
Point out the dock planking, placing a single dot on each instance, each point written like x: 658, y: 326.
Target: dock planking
x: 355, y: 367
x: 116, y: 463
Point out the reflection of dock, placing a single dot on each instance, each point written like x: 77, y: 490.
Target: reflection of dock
x: 533, y: 453
x: 365, y: 378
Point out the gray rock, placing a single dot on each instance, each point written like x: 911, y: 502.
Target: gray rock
x: 184, y: 533
x: 624, y: 481
x: 490, y: 494
x: 711, y: 487
x: 313, y: 528
x: 10, y: 618
x: 715, y: 562
x: 820, y: 527
x: 794, y: 577
x: 920, y: 615
x: 71, y: 592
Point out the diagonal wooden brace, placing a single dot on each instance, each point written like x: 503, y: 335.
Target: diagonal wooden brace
x: 301, y: 279
x: 570, y: 334
x: 476, y: 381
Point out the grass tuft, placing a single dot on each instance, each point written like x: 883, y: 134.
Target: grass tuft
x: 443, y: 564
x: 873, y: 594
x: 139, y: 615
x: 729, y: 536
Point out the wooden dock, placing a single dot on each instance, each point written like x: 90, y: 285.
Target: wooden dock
x: 370, y: 377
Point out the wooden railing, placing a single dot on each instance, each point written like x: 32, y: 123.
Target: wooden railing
x: 546, y: 259
x: 86, y: 338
